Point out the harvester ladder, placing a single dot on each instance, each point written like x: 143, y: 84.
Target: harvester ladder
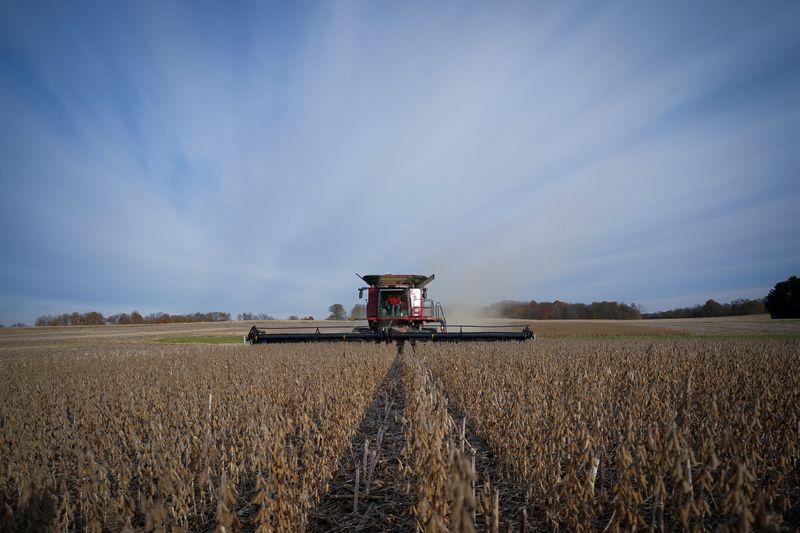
x: 440, y: 314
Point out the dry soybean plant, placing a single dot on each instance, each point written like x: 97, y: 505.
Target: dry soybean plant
x: 178, y: 437
x: 615, y: 435
x: 589, y: 434
x: 441, y: 462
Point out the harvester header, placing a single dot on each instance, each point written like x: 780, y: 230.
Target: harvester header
x: 397, y: 309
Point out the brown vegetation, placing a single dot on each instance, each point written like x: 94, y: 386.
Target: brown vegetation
x: 603, y: 328
x: 617, y: 436
x: 182, y: 437
x: 569, y: 433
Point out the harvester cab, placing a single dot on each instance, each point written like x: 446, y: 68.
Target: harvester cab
x: 398, y: 309
x: 401, y: 302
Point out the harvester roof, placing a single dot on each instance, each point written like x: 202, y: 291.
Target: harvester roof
x: 408, y: 280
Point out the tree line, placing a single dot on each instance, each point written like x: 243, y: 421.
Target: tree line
x: 254, y: 316
x: 782, y: 302
x: 558, y: 310
x: 713, y: 308
x: 93, y: 318
x: 265, y: 316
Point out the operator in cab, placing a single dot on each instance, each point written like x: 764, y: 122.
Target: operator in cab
x: 394, y: 305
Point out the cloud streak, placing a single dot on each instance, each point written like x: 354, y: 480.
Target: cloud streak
x: 188, y: 157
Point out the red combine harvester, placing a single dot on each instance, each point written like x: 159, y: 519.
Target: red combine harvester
x: 401, y: 302
x: 398, y: 309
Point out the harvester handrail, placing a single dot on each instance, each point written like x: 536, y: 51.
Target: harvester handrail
x: 419, y: 311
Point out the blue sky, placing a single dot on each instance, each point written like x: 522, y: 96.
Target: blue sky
x: 167, y: 156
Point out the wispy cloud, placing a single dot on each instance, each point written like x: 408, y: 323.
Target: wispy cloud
x: 190, y: 157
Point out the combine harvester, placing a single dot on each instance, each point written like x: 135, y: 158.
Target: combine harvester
x: 398, y: 309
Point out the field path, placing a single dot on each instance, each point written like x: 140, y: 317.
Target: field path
x: 386, y: 508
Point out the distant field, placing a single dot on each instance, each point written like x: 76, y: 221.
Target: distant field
x: 597, y: 425
x: 747, y: 326
x: 233, y: 331
x: 731, y: 325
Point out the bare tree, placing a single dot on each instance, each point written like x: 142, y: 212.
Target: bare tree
x: 358, y: 312
x: 337, y: 312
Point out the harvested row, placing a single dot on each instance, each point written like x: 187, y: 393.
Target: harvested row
x: 617, y: 435
x: 441, y: 462
x: 188, y: 437
x: 368, y: 492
